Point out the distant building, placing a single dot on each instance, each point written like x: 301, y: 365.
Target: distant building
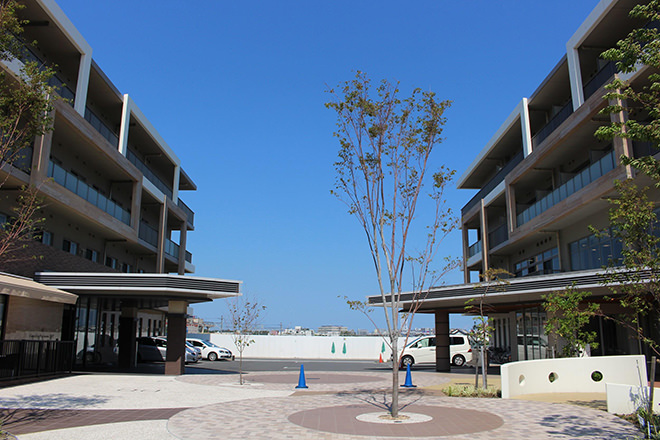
x: 332, y: 330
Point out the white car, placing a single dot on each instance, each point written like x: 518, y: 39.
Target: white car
x: 211, y: 351
x: 155, y: 349
x: 422, y: 351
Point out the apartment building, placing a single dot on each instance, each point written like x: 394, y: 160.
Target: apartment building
x: 116, y: 225
x: 541, y: 181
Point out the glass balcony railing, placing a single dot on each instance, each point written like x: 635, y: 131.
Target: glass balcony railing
x: 552, y: 124
x: 576, y: 183
x: 188, y: 211
x: 497, y: 236
x: 188, y: 257
x: 474, y: 249
x: 82, y: 189
x: 148, y: 234
x: 132, y: 157
x: 55, y: 81
x: 172, y: 249
x: 492, y: 183
x: 100, y: 126
x: 606, y: 72
x: 23, y: 160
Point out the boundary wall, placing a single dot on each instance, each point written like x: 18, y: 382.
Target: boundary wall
x: 308, y: 347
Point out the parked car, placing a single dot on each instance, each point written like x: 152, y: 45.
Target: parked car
x: 422, y: 350
x: 155, y: 350
x: 211, y: 351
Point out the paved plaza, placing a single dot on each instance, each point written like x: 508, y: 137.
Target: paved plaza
x: 336, y: 406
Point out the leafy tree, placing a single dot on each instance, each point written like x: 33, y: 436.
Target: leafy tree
x: 244, y: 315
x: 639, y: 51
x: 26, y: 104
x: 636, y: 278
x: 383, y: 166
x: 568, y: 314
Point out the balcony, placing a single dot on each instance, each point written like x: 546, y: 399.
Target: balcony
x: 606, y: 72
x: 82, y: 189
x: 55, y: 81
x: 492, y: 183
x: 189, y: 212
x: 606, y: 164
x: 101, y: 127
x: 552, y: 124
x: 172, y: 249
x: 497, y: 236
x: 474, y: 249
x: 148, y: 234
x: 162, y: 186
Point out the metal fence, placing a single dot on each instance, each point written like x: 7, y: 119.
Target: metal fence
x: 24, y: 358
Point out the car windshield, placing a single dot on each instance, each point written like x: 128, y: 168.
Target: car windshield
x: 211, y: 344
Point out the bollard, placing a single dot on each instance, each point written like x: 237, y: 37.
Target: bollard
x: 301, y: 379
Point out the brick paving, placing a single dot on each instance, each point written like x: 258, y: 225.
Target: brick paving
x: 24, y: 421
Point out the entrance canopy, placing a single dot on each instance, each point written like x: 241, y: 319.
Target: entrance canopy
x: 157, y: 286
x: 18, y: 286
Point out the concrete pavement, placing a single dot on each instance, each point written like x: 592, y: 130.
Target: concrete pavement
x: 125, y: 406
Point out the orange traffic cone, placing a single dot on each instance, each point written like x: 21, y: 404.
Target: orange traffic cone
x: 380, y: 358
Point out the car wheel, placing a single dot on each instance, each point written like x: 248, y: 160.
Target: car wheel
x: 407, y: 360
x: 213, y: 356
x: 89, y: 358
x: 458, y: 360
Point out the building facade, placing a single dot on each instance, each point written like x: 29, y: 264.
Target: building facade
x: 542, y: 180
x: 116, y: 226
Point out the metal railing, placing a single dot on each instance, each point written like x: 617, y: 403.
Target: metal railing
x: 82, y: 189
x: 492, y: 183
x: 27, y: 358
x: 576, y: 183
x: 148, y: 173
x: 552, y: 124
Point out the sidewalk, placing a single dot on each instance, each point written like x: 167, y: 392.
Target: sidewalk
x: 336, y: 406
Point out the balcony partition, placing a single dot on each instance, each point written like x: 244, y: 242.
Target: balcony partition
x: 74, y: 184
x: 606, y: 164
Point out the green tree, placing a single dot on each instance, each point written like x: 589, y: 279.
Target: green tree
x: 638, y: 52
x: 568, y: 314
x: 244, y: 315
x: 382, y: 169
x: 26, y: 104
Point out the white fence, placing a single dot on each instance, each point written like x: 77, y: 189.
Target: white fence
x: 308, y: 347
x: 572, y: 375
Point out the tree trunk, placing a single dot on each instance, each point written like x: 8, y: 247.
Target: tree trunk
x: 240, y: 366
x: 483, y: 367
x: 394, y: 410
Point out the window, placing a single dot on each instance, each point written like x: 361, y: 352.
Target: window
x: 111, y: 262
x: 45, y: 237
x: 595, y: 251
x: 126, y: 268
x: 70, y: 246
x: 92, y: 255
x: 544, y: 263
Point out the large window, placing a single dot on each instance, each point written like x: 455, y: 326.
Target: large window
x: 595, y: 251
x: 544, y: 263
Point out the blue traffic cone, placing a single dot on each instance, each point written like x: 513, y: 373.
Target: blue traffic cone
x: 408, y: 383
x: 301, y: 379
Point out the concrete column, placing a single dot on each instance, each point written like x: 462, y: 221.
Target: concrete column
x: 82, y: 85
x: 526, y: 128
x: 127, y: 329
x: 176, y: 338
x: 466, y: 253
x: 575, y: 75
x: 41, y: 156
x: 162, y: 232
x: 124, y: 126
x: 136, y: 203
x: 442, y: 360
x: 175, y: 185
x: 483, y: 219
x: 182, y: 248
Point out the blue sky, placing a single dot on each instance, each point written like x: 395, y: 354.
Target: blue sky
x: 237, y: 90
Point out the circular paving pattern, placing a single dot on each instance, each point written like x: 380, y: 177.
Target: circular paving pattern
x: 383, y: 417
x: 442, y: 421
x: 312, y: 378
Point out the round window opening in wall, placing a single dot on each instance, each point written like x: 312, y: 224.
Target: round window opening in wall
x: 553, y: 377
x: 521, y: 380
x: 596, y: 376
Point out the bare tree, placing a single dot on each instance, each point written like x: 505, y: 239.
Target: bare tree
x: 244, y: 315
x: 385, y: 149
